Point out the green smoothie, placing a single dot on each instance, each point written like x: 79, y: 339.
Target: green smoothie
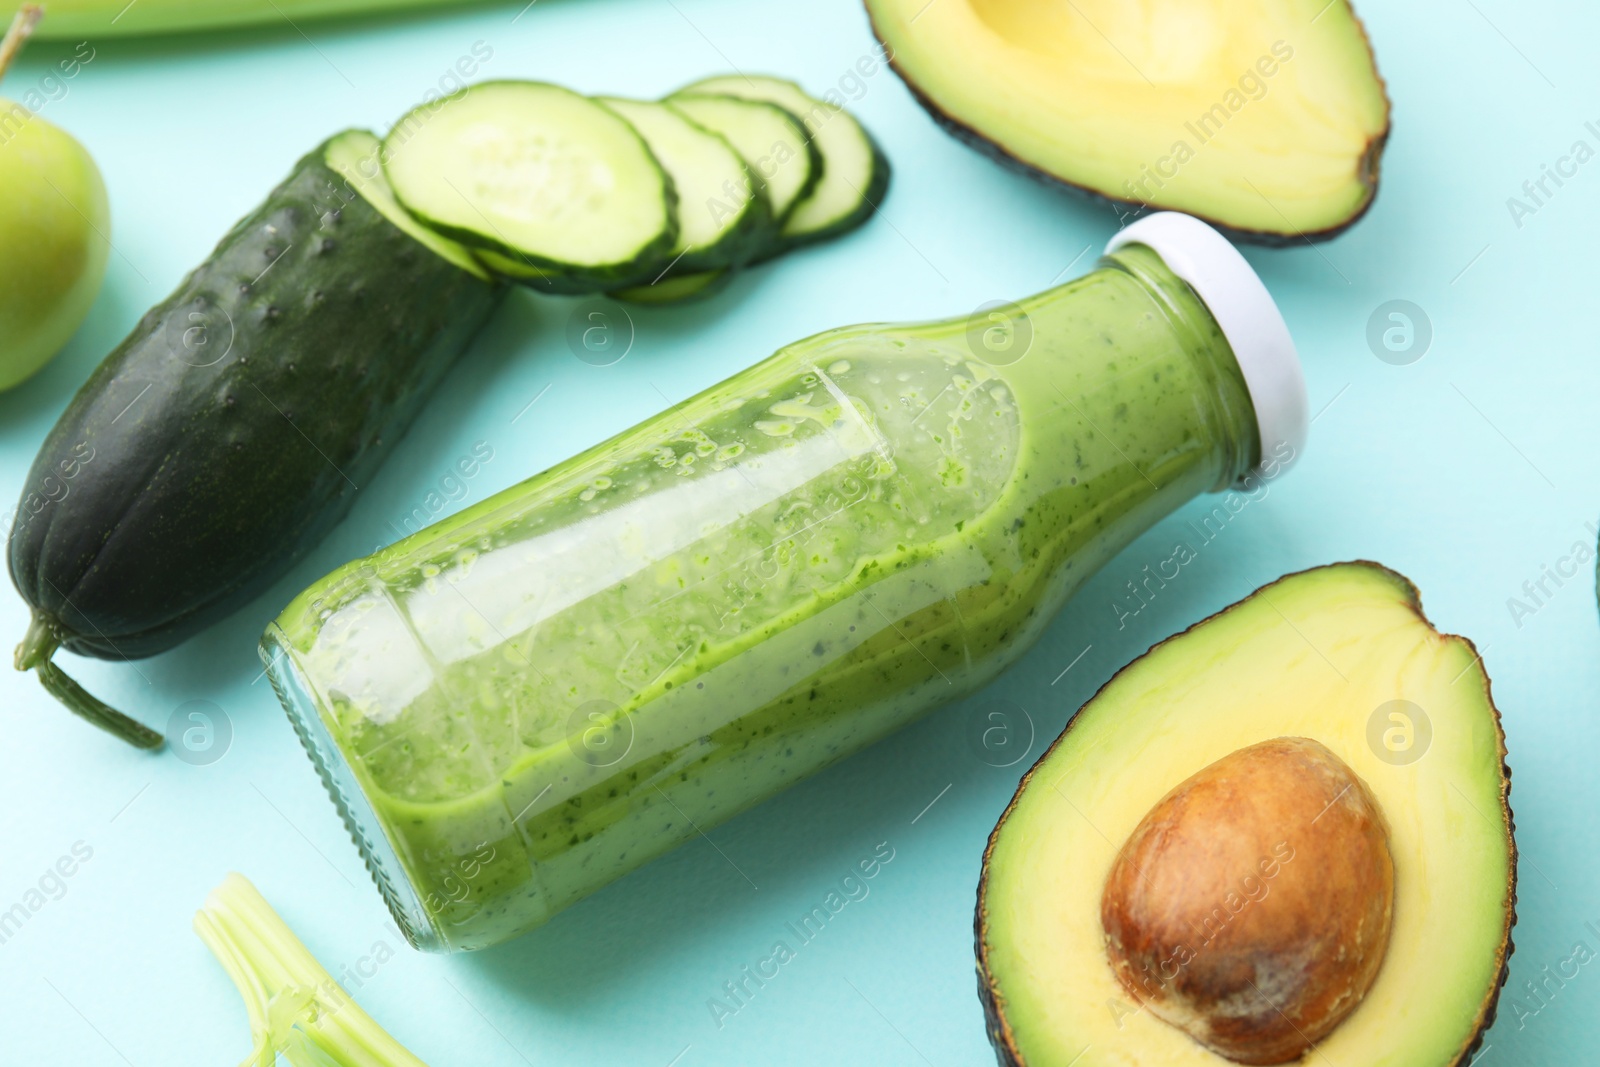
x: 534, y: 697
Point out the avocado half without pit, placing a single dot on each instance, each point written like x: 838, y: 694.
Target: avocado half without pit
x: 1282, y: 835
x: 1266, y: 118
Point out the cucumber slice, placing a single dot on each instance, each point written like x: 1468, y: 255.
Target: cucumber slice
x: 855, y: 172
x: 357, y: 155
x: 677, y: 288
x: 771, y: 139
x: 540, y: 278
x: 723, y: 218
x: 539, y: 175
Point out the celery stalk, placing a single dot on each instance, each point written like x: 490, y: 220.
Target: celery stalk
x: 296, y: 1009
x: 100, y: 20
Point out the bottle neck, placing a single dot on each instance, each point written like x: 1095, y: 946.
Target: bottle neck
x: 1230, y: 412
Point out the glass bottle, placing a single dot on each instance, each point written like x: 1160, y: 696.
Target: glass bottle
x: 529, y: 699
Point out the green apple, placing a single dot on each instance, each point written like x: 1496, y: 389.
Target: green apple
x: 54, y: 222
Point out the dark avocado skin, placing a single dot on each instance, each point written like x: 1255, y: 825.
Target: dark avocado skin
x: 1129, y: 210
x: 999, y: 1030
x: 206, y: 483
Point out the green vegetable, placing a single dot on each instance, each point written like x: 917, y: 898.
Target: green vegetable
x: 855, y: 172
x: 229, y: 432
x: 76, y: 20
x: 825, y: 183
x: 297, y: 1011
x: 770, y: 138
x: 723, y: 216
x: 737, y: 170
x: 546, y: 182
x: 677, y: 288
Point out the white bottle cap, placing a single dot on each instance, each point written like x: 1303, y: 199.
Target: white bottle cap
x: 1251, y: 322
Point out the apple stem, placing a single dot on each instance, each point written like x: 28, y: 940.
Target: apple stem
x: 22, y: 26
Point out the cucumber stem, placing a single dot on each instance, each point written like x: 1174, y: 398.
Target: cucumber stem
x: 22, y: 27
x: 38, y: 644
x: 34, y: 653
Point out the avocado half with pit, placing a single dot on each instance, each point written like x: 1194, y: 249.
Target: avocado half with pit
x: 1282, y: 834
x: 1266, y: 118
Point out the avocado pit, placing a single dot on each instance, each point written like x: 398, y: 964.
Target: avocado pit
x: 1251, y: 907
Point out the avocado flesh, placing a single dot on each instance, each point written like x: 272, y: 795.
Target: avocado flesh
x: 1254, y: 672
x: 1165, y: 107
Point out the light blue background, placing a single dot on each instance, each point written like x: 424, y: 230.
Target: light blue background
x: 1468, y: 471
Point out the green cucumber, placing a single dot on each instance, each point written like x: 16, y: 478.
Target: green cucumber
x: 358, y: 156
x: 677, y: 288
x: 855, y: 172
x: 549, y: 184
x: 723, y: 217
x: 228, y: 433
x: 771, y: 139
